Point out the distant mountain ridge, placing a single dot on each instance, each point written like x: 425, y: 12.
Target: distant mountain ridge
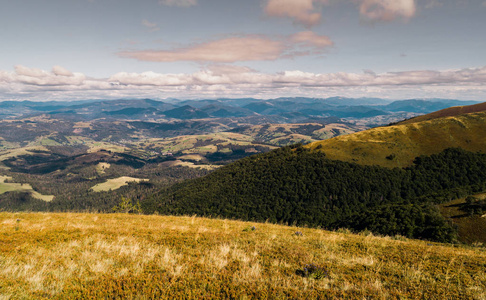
x: 287, y: 110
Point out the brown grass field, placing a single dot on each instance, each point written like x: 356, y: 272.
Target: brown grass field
x: 121, y: 256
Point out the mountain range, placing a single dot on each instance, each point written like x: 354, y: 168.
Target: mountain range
x: 280, y: 110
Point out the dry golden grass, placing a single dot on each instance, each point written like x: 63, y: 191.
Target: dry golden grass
x: 402, y: 143
x: 194, y: 157
x: 115, y: 183
x: 101, y: 167
x: 120, y: 256
x: 97, y: 146
x: 178, y: 162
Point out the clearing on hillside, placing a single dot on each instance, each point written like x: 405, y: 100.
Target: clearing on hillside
x: 101, y: 167
x: 115, y: 183
x: 472, y: 228
x: 21, y: 187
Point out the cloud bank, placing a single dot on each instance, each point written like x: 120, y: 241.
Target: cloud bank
x: 233, y: 81
x: 303, y: 11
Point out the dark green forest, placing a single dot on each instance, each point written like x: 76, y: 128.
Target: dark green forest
x: 294, y: 185
x: 72, y: 187
x: 290, y: 185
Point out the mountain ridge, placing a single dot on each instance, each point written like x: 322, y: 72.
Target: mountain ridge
x: 398, y: 145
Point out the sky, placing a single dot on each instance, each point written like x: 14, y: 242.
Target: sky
x: 201, y: 49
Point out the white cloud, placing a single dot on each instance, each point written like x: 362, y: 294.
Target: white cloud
x: 238, y: 48
x: 235, y: 81
x: 230, y: 49
x: 387, y: 10
x: 301, y: 11
x: 309, y: 12
x: 309, y: 38
x: 180, y: 3
x: 60, y: 71
x: 58, y: 77
x: 150, y: 26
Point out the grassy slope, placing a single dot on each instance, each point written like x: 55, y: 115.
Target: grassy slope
x: 448, y: 112
x: 407, y: 141
x: 92, y: 256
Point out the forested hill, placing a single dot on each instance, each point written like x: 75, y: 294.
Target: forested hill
x: 299, y: 186
x: 397, y: 146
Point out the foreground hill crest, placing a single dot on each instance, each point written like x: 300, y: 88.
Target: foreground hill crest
x: 121, y: 256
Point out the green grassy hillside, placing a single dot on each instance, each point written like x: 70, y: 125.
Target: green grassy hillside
x: 120, y: 256
x: 448, y: 112
x: 397, y: 146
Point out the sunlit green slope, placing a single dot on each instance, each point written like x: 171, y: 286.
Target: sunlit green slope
x: 397, y: 146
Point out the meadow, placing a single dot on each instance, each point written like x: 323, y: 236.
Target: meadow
x: 113, y: 256
x: 115, y: 183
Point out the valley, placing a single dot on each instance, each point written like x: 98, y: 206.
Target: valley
x: 264, y: 149
x: 164, y: 142
x: 242, y: 167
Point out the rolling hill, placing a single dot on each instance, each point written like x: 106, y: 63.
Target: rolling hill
x: 448, y: 112
x: 386, y: 179
x: 398, y: 145
x: 344, y: 183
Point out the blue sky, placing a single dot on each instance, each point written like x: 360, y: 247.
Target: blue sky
x: 83, y: 49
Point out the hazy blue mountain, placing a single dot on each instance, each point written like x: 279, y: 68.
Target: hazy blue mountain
x: 283, y: 109
x: 186, y: 112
